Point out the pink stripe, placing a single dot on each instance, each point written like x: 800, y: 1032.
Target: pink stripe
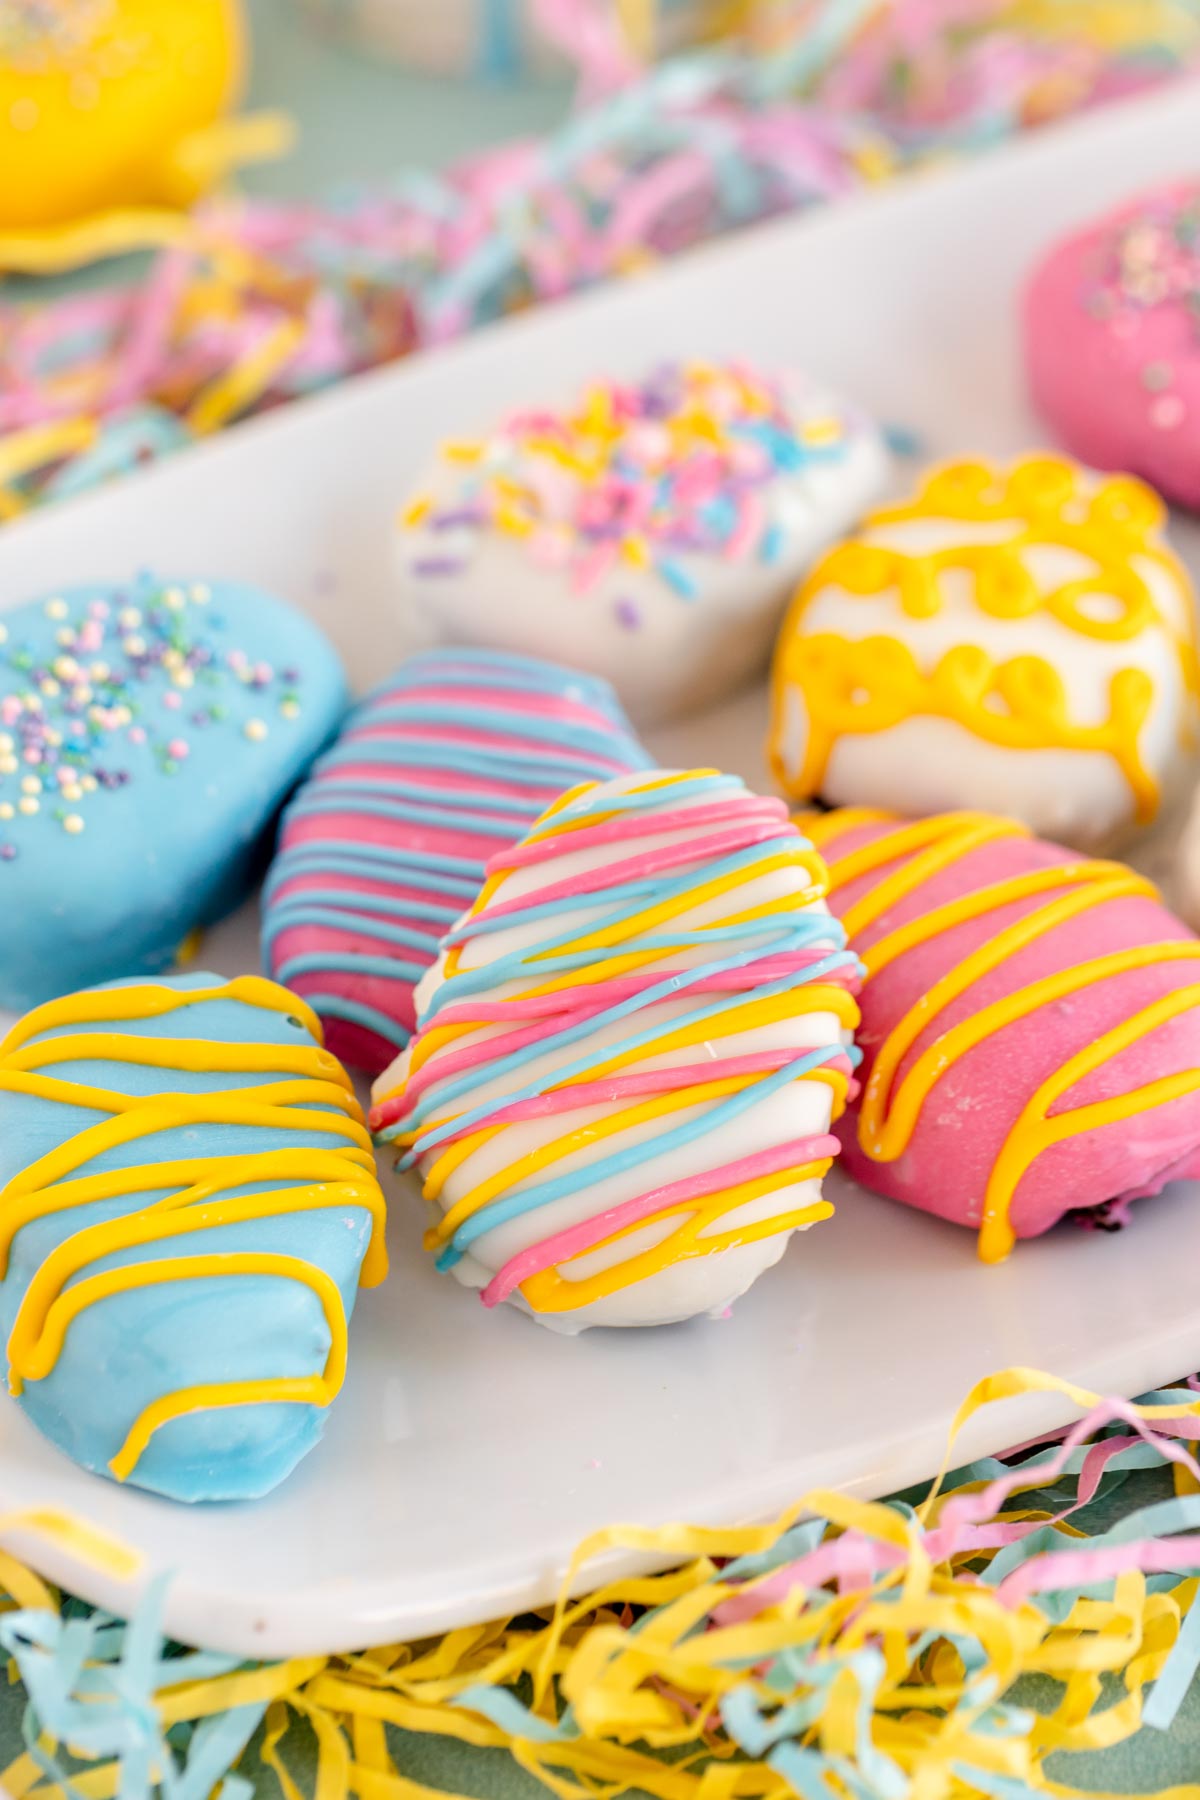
x: 588, y: 572
x: 622, y: 1087
x: 746, y: 533
x: 767, y: 968
x: 648, y: 863
x: 564, y: 1245
x: 399, y: 777
x: 443, y: 689
x: 633, y: 825
x: 445, y: 1066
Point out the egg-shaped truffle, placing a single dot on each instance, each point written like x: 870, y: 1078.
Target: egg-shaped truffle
x: 1017, y: 640
x: 386, y: 845
x: 651, y: 532
x: 1111, y: 320
x: 188, y: 1204
x: 628, y: 1060
x: 1030, y: 1024
x: 149, y: 734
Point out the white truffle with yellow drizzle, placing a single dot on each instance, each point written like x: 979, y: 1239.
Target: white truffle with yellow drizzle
x: 1020, y: 641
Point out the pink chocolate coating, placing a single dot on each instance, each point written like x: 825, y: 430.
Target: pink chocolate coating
x: 973, y: 1105
x: 1111, y: 324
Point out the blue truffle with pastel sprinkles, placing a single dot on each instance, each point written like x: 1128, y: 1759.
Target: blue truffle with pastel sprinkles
x: 188, y: 1206
x: 149, y: 733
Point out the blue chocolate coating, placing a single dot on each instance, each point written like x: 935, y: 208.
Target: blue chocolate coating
x: 149, y: 734
x: 127, y: 1350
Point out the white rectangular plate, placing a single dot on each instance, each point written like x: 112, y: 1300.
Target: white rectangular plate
x: 469, y: 1452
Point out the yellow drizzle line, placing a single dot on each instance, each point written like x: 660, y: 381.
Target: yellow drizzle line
x: 340, y: 1176
x: 864, y: 686
x: 888, y: 1119
x: 551, y: 1291
x: 580, y: 1140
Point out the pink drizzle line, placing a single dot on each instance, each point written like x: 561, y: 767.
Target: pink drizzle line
x: 651, y: 1081
x: 576, y: 1239
x: 631, y: 825
x: 650, y: 862
x: 552, y: 1012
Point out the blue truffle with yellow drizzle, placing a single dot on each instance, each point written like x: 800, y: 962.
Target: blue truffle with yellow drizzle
x: 148, y: 735
x: 188, y: 1205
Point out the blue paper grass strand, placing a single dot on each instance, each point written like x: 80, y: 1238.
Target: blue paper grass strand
x: 859, y: 1649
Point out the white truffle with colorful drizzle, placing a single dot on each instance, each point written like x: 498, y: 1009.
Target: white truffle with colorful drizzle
x: 628, y: 1061
x: 649, y: 533
x: 188, y: 1205
x: 1020, y: 641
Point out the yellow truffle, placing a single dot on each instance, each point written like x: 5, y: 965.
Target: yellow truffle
x: 107, y: 110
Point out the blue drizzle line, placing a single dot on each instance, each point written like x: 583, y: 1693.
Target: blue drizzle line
x: 516, y: 1205
x: 768, y: 937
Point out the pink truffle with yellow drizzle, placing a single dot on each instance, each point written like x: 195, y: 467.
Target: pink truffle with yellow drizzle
x: 627, y: 1064
x: 1031, y: 1023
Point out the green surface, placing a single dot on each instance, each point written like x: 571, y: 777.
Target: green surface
x: 361, y: 116
x: 357, y: 117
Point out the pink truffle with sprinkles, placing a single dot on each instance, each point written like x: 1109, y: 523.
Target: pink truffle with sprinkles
x: 650, y: 532
x: 1112, y: 340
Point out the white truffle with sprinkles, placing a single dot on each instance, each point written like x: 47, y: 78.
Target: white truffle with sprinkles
x: 650, y: 532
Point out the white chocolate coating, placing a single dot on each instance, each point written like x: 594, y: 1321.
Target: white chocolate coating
x: 771, y: 866
x: 1085, y: 776
x: 666, y: 652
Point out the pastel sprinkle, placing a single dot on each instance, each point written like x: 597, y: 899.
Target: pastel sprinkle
x: 629, y: 613
x: 902, y: 441
x: 69, y: 725
x: 676, y: 576
x: 417, y: 509
x: 691, y: 460
x: 771, y: 547
x: 255, y: 730
x: 438, y: 565
x: 1168, y: 412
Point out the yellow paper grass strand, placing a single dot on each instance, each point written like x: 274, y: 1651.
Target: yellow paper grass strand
x: 754, y: 1677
